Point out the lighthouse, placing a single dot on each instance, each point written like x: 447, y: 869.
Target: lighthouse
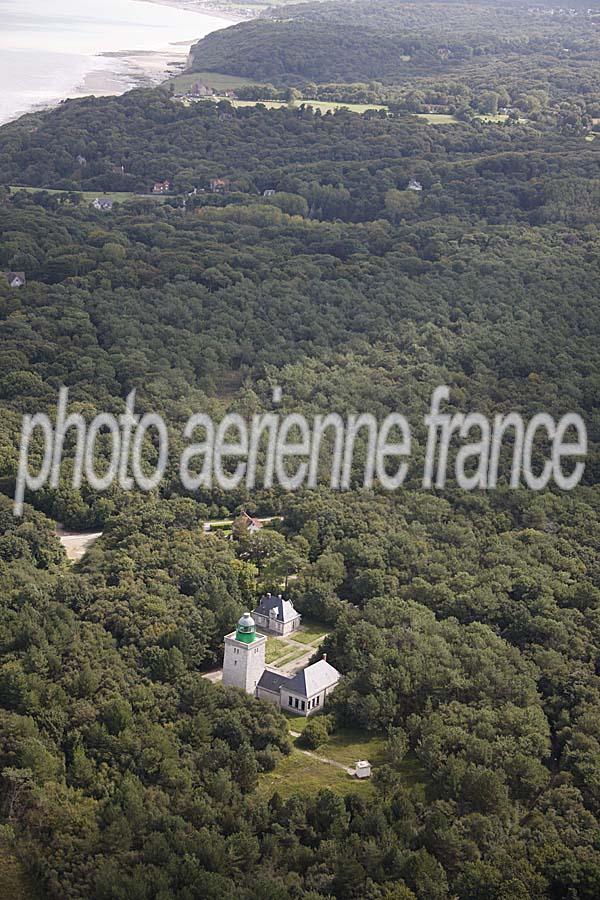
x: 244, y: 660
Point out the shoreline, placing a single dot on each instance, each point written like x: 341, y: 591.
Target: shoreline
x: 115, y: 72
x: 226, y: 11
x: 150, y: 68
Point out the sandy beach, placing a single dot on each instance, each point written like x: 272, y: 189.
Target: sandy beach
x: 77, y: 48
x: 149, y: 68
x: 207, y: 8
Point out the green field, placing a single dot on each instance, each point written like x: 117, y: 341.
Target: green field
x: 498, y: 119
x: 302, y: 774
x: 445, y: 119
x: 315, y: 104
x: 280, y: 653
x: 115, y: 196
x: 321, y: 105
x: 297, y: 723
x: 291, y: 656
x: 275, y: 650
x: 348, y: 745
x: 309, y: 632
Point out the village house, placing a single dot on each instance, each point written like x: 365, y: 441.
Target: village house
x: 269, y: 193
x: 276, y: 615
x: 161, y: 187
x: 81, y: 161
x: 414, y: 185
x: 244, y: 667
x: 220, y: 185
x: 103, y: 204
x: 16, y: 279
x: 250, y: 523
x: 201, y: 90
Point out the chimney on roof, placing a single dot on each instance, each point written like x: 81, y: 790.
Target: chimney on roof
x: 324, y: 657
x: 279, y: 596
x: 268, y: 593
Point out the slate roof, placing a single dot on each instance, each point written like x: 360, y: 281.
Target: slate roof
x: 272, y: 681
x: 12, y: 275
x: 286, y: 611
x: 315, y: 678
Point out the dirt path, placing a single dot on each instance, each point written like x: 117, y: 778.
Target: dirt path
x: 215, y: 676
x: 324, y: 759
x: 77, y: 543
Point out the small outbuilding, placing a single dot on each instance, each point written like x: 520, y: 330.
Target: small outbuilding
x: 363, y: 768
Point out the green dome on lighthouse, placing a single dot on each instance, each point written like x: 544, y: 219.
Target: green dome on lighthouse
x: 246, y: 629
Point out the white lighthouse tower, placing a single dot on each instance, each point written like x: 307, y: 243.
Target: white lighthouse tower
x: 244, y: 660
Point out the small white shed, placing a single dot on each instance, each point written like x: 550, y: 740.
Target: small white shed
x: 363, y: 768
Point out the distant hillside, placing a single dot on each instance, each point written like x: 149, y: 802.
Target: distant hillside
x: 362, y: 40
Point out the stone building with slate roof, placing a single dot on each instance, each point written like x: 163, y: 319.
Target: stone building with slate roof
x: 276, y: 615
x: 244, y: 667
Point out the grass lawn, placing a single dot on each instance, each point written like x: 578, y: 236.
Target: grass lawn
x: 185, y: 82
x: 275, y: 649
x: 117, y: 197
x: 348, y: 745
x: 498, y: 119
x: 325, y: 106
x: 301, y: 774
x: 291, y: 656
x: 316, y: 104
x: 296, y: 723
x: 309, y: 632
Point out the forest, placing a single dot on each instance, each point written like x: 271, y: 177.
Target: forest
x: 466, y: 625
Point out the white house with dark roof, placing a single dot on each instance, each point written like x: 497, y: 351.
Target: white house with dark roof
x: 276, y: 615
x: 306, y: 691
x: 104, y: 204
x: 244, y: 667
x: 16, y: 279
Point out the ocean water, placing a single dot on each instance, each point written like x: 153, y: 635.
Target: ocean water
x: 49, y: 48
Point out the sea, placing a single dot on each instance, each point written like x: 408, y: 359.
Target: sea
x: 49, y: 49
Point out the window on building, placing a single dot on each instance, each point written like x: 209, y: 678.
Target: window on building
x: 296, y: 703
x: 303, y: 706
x: 291, y: 701
x: 318, y: 699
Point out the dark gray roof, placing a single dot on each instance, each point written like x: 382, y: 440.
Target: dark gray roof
x: 313, y: 679
x: 272, y: 681
x: 285, y: 610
